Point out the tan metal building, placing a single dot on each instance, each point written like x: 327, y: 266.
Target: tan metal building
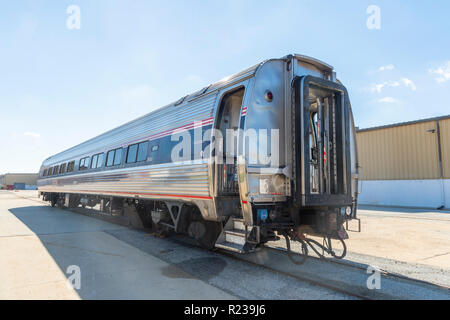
x: 406, y: 164
x: 8, y: 180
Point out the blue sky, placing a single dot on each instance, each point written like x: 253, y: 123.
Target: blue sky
x: 59, y: 87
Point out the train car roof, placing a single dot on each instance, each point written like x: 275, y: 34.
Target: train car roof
x: 66, y: 155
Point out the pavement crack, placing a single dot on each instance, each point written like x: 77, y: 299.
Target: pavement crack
x: 434, y: 256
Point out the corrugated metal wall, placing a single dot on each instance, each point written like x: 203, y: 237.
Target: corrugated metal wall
x: 445, y: 146
x: 27, y: 178
x: 404, y: 152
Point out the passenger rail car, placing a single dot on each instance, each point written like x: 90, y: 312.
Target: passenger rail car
x: 264, y: 153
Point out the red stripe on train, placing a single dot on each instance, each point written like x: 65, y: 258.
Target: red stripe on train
x: 149, y: 194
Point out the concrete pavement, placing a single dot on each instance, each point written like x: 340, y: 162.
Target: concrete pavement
x: 38, y: 244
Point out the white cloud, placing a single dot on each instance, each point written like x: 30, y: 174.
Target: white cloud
x: 388, y: 67
x: 32, y: 134
x: 388, y: 100
x: 443, y: 72
x: 409, y: 83
x: 378, y: 87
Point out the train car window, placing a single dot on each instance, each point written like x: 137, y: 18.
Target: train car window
x: 142, y: 151
x: 110, y: 158
x: 50, y: 171
x: 155, y: 148
x: 132, y: 153
x: 84, y: 163
x: 97, y: 161
x: 70, y: 166
x: 100, y: 160
x: 55, y: 170
x: 94, y: 161
x: 45, y: 173
x: 113, y: 158
x: 62, y: 169
x: 118, y: 157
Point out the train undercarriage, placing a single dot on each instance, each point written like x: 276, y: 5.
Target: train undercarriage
x: 273, y: 223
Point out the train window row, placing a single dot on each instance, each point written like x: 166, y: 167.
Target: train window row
x: 60, y: 169
x: 134, y: 153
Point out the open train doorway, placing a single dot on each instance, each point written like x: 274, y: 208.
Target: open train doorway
x: 226, y: 145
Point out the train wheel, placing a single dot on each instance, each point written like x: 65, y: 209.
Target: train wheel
x: 204, y: 232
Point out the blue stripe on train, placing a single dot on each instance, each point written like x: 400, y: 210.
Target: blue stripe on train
x: 166, y: 145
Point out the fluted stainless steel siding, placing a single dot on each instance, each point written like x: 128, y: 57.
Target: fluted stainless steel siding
x: 183, y: 180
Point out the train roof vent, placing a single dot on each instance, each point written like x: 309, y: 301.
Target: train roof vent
x: 180, y: 101
x: 198, y: 93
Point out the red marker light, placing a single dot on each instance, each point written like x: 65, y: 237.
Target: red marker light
x: 268, y: 96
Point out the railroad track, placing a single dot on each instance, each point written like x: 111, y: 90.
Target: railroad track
x: 355, y: 265
x: 324, y: 273
x: 298, y: 277
x: 188, y: 242
x: 315, y: 277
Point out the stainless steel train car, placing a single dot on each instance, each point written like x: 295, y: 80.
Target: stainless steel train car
x: 264, y: 153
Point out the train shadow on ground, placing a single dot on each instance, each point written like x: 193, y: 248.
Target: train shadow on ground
x: 112, y: 258
x: 76, y: 240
